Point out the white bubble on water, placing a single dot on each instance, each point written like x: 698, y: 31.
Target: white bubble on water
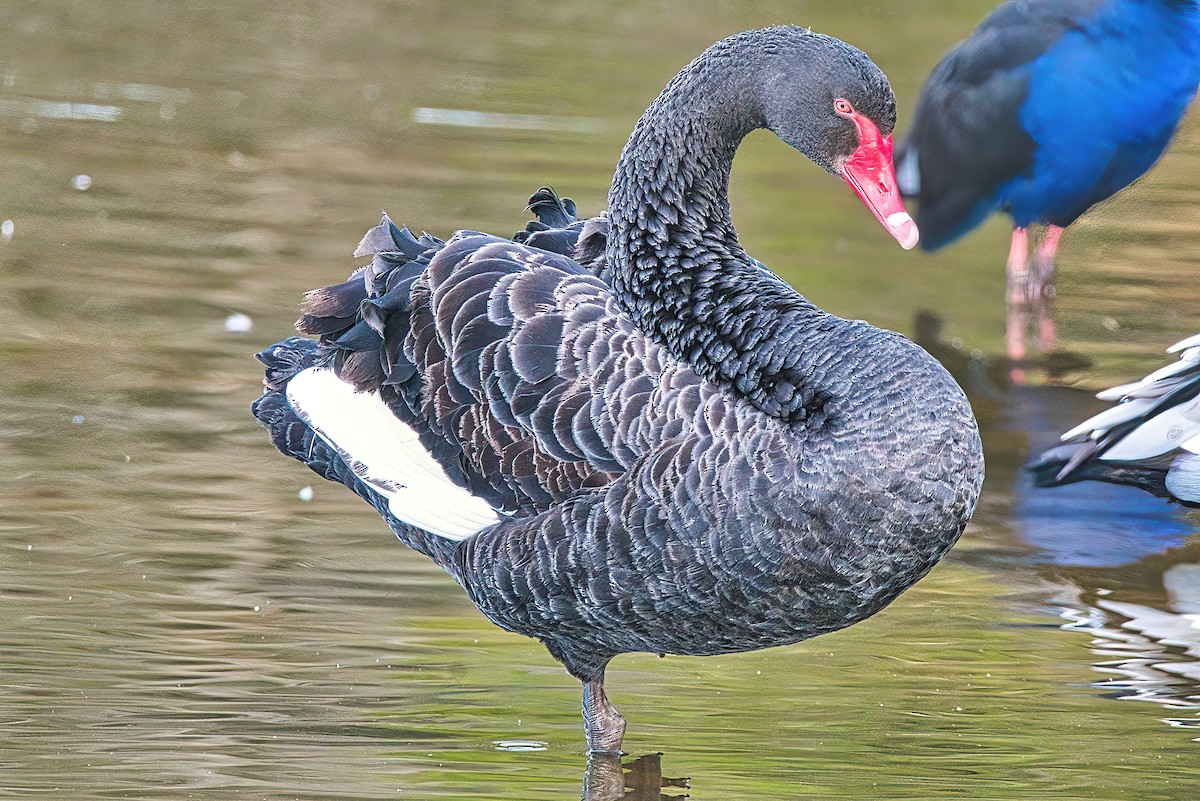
x: 238, y: 323
x: 520, y: 745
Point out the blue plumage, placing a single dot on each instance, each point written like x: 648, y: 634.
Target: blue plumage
x: 1045, y: 110
x: 1102, y: 105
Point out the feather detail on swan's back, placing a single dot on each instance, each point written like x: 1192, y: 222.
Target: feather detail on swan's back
x: 512, y: 364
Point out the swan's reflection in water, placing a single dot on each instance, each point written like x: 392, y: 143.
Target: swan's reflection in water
x: 609, y: 778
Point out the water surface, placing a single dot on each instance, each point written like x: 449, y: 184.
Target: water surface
x: 176, y: 622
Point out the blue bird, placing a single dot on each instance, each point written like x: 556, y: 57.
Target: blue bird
x: 1048, y: 108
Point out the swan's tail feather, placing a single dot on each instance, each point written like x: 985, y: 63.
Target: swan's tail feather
x: 291, y: 435
x: 332, y: 310
x: 363, y: 321
x: 284, y: 359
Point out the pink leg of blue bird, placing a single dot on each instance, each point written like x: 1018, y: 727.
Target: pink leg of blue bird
x: 1030, y: 295
x: 1017, y: 294
x: 1042, y: 292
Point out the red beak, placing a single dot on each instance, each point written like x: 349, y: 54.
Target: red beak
x: 870, y: 174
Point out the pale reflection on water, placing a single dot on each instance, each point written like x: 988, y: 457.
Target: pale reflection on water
x: 181, y: 618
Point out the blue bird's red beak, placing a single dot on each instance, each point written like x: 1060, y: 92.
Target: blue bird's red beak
x: 870, y: 174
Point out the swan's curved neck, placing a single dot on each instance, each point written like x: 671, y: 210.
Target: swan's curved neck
x: 676, y: 265
x: 670, y: 191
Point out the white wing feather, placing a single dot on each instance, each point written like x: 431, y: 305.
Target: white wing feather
x: 1183, y: 344
x: 1121, y: 413
x: 1165, y: 431
x: 387, y: 455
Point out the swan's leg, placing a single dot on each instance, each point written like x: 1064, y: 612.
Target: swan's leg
x: 1017, y: 295
x: 1044, y: 297
x: 602, y: 722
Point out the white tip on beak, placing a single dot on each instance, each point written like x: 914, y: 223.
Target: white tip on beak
x: 903, y: 228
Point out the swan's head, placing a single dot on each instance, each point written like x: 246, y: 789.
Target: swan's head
x: 830, y: 102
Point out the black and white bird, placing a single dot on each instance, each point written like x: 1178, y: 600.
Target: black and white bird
x: 1149, y: 440
x: 624, y: 434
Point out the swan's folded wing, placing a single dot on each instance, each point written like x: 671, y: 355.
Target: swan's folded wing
x: 511, y: 363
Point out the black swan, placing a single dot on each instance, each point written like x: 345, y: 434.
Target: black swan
x: 664, y: 448
x: 1048, y: 108
x: 1149, y: 440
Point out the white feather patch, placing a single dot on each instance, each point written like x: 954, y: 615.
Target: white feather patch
x: 387, y: 455
x: 1183, y: 479
x: 1183, y: 344
x: 1121, y: 413
x: 1119, y: 391
x: 1162, y: 380
x: 1141, y: 389
x: 1168, y: 371
x: 1165, y: 431
x: 908, y: 174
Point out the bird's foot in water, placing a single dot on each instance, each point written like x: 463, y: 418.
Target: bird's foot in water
x: 1031, y: 293
x: 1030, y: 316
x: 1043, y: 317
x: 1031, y: 289
x: 1042, y: 290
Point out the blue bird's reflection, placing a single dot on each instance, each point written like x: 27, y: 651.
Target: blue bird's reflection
x: 1125, y: 564
x: 1128, y: 564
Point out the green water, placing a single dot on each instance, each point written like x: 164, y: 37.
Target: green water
x: 176, y: 623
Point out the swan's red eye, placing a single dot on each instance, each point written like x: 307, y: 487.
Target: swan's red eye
x: 843, y: 107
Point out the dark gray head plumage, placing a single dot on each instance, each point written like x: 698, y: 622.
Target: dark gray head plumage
x: 803, y: 74
x: 786, y: 79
